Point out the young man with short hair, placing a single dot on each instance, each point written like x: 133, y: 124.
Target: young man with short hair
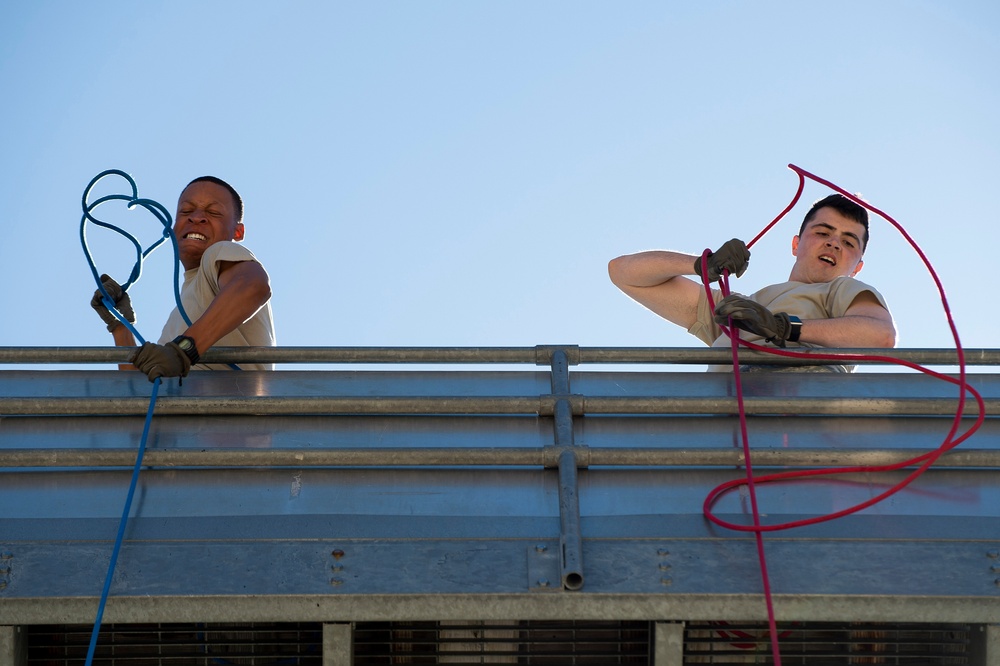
x: 226, y: 291
x: 821, y: 304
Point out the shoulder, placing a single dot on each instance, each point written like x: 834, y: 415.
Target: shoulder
x: 849, y: 288
x: 225, y: 251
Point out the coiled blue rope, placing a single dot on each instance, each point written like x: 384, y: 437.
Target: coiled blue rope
x: 161, y: 214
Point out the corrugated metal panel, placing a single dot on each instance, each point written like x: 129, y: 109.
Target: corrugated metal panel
x: 439, y: 514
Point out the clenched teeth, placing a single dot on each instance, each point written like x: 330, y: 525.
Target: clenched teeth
x: 195, y: 236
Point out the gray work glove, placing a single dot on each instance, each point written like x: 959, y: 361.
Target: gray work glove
x: 775, y: 327
x: 155, y: 360
x: 122, y: 303
x: 733, y: 255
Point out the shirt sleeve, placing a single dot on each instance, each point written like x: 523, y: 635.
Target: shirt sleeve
x: 217, y: 253
x: 704, y: 327
x: 843, y: 293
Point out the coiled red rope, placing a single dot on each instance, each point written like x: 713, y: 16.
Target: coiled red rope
x: 924, y: 461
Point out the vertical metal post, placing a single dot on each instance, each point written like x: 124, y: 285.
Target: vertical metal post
x: 13, y: 646
x: 338, y: 644
x: 570, y: 539
x: 984, y: 649
x: 668, y: 644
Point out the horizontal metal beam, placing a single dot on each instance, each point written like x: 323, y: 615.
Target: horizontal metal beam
x: 525, y: 405
x: 545, y: 457
x: 531, y: 606
x: 539, y: 355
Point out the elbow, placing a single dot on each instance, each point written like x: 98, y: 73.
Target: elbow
x: 255, y: 294
x: 888, y: 339
x: 264, y: 293
x: 616, y: 270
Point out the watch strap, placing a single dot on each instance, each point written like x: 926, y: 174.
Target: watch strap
x: 796, y: 328
x: 187, y: 345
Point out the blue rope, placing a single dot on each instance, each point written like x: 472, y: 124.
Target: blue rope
x: 122, y: 523
x: 158, y: 211
x: 164, y: 218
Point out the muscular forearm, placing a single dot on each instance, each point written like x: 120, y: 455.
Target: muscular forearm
x: 855, y: 331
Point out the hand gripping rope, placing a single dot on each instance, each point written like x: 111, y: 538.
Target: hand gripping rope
x: 163, y: 216
x: 924, y: 461
x: 133, y: 200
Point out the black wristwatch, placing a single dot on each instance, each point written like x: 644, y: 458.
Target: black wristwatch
x: 793, y: 335
x: 188, y: 347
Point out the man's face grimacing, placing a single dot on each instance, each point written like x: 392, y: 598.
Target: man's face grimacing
x: 205, y: 215
x: 829, y: 247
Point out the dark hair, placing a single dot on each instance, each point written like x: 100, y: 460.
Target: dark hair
x: 845, y: 207
x: 237, y: 199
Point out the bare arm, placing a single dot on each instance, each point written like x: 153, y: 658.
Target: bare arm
x: 865, y: 324
x: 655, y: 280
x: 244, y: 288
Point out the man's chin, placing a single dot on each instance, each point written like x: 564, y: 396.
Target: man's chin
x: 190, y: 257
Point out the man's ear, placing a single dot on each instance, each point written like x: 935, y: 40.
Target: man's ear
x: 857, y: 269
x: 795, y: 246
x: 238, y: 234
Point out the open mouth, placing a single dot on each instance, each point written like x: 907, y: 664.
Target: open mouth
x: 194, y: 236
x: 828, y: 259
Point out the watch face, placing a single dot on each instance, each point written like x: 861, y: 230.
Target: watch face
x: 185, y: 344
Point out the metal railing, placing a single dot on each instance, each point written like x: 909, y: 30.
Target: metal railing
x: 560, y: 404
x: 538, y: 355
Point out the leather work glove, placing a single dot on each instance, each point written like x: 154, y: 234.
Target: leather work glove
x: 733, y: 255
x: 155, y: 360
x: 122, y: 303
x: 775, y: 327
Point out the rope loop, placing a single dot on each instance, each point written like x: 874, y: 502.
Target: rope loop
x: 132, y: 200
x: 951, y: 440
x: 750, y: 481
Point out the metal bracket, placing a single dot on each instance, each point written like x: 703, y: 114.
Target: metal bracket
x: 544, y: 568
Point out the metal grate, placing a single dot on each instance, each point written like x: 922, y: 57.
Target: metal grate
x: 192, y: 644
x: 526, y: 642
x: 827, y: 644
x: 549, y: 643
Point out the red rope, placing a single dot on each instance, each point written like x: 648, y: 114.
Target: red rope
x: 952, y: 439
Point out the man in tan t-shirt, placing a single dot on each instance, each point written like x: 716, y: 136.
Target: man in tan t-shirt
x: 821, y: 305
x: 226, y: 290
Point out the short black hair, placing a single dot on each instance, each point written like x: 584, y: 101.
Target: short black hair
x: 845, y: 207
x: 237, y: 199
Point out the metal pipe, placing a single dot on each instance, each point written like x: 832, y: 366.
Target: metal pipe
x: 488, y: 355
x: 486, y: 405
x: 545, y: 457
x: 560, y: 373
x: 570, y: 537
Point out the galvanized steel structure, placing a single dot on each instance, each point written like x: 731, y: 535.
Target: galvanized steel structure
x: 426, y: 490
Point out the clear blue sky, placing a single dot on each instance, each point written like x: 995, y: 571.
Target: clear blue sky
x: 459, y: 173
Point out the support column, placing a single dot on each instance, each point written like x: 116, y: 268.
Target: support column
x: 13, y: 646
x: 668, y: 644
x: 984, y: 649
x: 338, y: 644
